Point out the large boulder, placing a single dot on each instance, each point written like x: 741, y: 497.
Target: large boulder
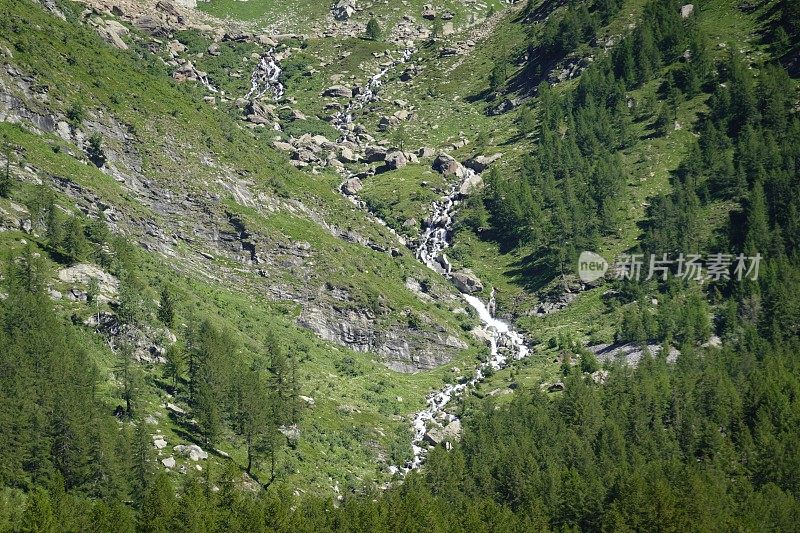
x: 471, y: 184
x: 375, y: 154
x: 442, y: 162
x: 338, y: 91
x: 428, y: 12
x: 347, y: 155
x: 448, y: 167
x: 387, y: 122
x: 352, y: 186
x: 425, y: 152
x: 449, y: 433
x: 467, y: 282
x: 192, y: 451
x: 84, y: 273
x: 343, y: 9
x: 396, y: 160
x: 151, y: 25
x: 481, y: 162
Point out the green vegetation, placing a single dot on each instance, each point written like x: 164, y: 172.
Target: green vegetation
x: 682, y: 134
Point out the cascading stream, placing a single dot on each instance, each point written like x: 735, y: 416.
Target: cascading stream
x: 266, y: 77
x: 505, y: 343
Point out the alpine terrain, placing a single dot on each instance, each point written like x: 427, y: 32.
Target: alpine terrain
x: 399, y: 265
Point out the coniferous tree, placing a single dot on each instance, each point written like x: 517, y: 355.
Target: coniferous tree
x: 373, y: 31
x: 130, y: 379
x: 95, y: 150
x: 5, y: 176
x: 166, y: 308
x: 73, y: 241
x: 175, y: 363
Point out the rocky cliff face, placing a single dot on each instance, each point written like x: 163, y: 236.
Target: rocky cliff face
x: 207, y: 218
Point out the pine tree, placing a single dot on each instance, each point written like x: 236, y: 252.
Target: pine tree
x: 498, y: 76
x: 166, y: 308
x: 159, y: 507
x: 95, y: 150
x: 373, y: 31
x: 174, y: 367
x: 5, y: 177
x: 38, y: 516
x: 757, y: 234
x: 130, y: 378
x: 131, y: 298
x: 437, y: 30
x: 279, y: 381
x: 253, y: 421
x: 73, y: 242
x: 52, y: 220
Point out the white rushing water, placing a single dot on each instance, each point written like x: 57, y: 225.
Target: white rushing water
x: 266, y: 77
x: 505, y: 343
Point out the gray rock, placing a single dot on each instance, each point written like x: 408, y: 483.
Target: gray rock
x: 168, y: 462
x: 347, y: 156
x: 481, y: 162
x: 437, y: 435
x: 396, y: 160
x: 192, y: 451
x: 471, y: 184
x: 467, y: 282
x: 386, y: 123
x: 352, y: 186
x: 375, y: 154
x: 338, y: 91
x: 343, y: 9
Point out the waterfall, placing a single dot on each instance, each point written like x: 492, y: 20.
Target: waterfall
x: 430, y: 251
x: 266, y: 77
x: 504, y: 342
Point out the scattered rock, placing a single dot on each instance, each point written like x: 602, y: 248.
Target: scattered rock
x: 192, y: 451
x: 172, y: 408
x: 347, y: 156
x: 352, y: 186
x: 338, y: 91
x: 168, y: 462
x: 471, y: 184
x: 449, y: 433
x: 687, y: 10
x: 467, y: 282
x: 343, y: 9
x: 425, y: 152
x: 375, y: 154
x: 396, y: 160
x: 481, y: 162
x: 308, y: 400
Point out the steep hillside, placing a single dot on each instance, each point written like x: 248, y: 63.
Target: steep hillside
x: 313, y: 265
